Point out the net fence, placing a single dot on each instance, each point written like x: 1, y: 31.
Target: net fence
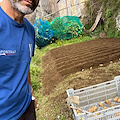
x: 65, y: 27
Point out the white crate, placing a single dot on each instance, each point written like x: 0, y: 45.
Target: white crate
x: 95, y: 94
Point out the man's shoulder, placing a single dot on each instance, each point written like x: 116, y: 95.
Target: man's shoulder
x: 28, y: 23
x: 29, y: 27
x: 2, y: 17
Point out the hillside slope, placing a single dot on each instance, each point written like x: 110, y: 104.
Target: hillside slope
x: 61, y: 62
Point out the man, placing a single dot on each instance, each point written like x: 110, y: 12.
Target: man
x: 17, y: 41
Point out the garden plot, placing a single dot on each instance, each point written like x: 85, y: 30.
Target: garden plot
x: 61, y: 62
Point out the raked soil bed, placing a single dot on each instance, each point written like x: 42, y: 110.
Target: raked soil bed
x: 59, y: 63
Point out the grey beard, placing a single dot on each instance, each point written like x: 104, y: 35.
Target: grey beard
x: 20, y: 8
x: 23, y: 9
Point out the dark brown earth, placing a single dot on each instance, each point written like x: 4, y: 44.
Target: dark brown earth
x: 61, y: 62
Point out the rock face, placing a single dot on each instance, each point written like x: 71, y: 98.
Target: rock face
x: 47, y: 7
x: 50, y: 9
x: 31, y: 17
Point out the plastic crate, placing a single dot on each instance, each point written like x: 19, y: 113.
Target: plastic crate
x: 95, y: 94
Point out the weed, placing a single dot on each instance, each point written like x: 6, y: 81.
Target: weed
x: 35, y: 72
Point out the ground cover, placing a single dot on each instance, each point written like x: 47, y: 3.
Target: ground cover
x: 51, y: 96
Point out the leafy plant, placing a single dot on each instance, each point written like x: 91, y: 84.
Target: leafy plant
x: 109, y: 13
x: 35, y: 79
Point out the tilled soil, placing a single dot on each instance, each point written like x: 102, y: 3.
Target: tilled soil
x: 59, y: 63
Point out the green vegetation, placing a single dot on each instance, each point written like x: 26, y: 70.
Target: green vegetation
x: 66, y: 27
x: 109, y: 13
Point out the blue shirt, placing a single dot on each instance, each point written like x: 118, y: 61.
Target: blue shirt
x: 16, y: 49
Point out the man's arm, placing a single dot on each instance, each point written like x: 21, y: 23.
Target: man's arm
x: 29, y: 82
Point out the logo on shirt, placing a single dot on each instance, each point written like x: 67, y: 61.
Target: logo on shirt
x: 30, y: 47
x: 7, y: 52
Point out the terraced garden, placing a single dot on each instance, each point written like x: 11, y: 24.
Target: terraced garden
x: 59, y: 63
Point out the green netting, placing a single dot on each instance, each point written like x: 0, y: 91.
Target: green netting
x: 43, y: 33
x: 66, y: 27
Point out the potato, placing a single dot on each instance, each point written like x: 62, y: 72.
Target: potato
x: 112, y: 104
x: 92, y: 109
x: 115, y: 99
x: 97, y: 113
x: 107, y: 102
x: 104, y: 107
x: 118, y: 100
x: 95, y: 108
x: 101, y: 104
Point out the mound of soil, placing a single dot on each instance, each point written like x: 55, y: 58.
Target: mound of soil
x: 61, y: 62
